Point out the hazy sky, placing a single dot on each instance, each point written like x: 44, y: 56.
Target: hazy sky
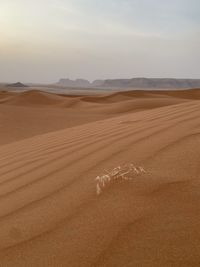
x: 44, y: 40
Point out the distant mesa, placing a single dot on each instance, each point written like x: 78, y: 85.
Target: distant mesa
x: 134, y: 83
x: 18, y: 84
x: 150, y: 83
x: 79, y: 83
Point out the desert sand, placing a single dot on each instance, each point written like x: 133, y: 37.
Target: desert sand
x: 52, y: 147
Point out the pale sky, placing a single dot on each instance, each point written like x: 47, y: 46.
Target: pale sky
x: 44, y: 40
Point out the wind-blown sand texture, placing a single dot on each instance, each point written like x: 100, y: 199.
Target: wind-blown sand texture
x: 53, y: 147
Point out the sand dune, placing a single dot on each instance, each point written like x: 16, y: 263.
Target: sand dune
x: 26, y: 114
x: 50, y: 214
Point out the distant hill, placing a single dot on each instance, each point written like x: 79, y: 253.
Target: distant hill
x: 18, y: 84
x: 137, y: 83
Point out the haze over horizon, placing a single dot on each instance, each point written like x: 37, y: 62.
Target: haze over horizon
x: 43, y: 41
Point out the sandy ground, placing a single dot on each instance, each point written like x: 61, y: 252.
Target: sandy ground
x: 51, y: 149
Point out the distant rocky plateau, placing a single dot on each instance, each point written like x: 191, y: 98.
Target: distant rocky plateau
x: 80, y: 83
x: 137, y: 83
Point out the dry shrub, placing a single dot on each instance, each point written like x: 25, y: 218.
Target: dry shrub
x: 126, y: 172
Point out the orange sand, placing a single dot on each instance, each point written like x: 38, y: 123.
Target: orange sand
x: 52, y: 148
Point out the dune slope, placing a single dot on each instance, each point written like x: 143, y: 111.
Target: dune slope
x: 50, y: 214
